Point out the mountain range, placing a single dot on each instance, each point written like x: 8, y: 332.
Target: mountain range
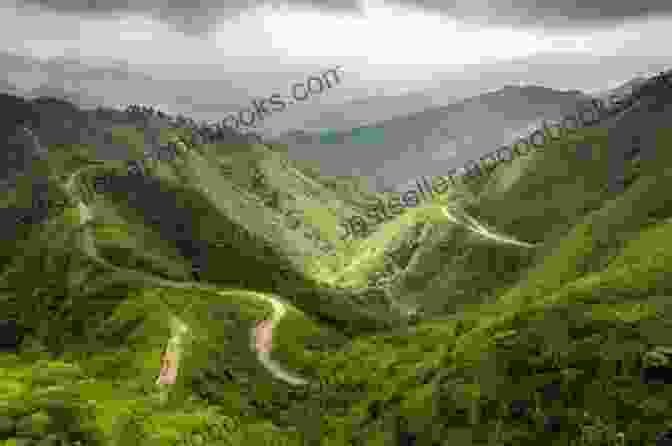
x: 432, y: 141
x: 525, y: 307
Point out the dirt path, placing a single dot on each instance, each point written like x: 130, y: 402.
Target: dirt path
x: 462, y: 219
x: 274, y: 367
x: 179, y: 328
x: 85, y: 214
x: 279, y: 308
x: 475, y: 226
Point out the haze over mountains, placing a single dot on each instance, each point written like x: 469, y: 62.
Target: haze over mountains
x: 90, y: 83
x: 426, y: 132
x: 358, y: 112
x: 431, y: 141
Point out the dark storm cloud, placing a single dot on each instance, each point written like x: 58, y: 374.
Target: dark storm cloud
x: 545, y: 12
x: 197, y: 16
x: 191, y: 17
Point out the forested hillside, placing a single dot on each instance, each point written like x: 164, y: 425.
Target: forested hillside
x: 527, y: 307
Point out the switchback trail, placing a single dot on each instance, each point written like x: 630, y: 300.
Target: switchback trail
x: 279, y: 307
x: 179, y: 327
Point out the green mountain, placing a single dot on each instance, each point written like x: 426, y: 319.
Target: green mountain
x: 526, y: 307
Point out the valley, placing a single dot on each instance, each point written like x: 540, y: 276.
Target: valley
x: 523, y: 307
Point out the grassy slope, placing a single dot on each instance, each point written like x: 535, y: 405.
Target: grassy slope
x: 594, y: 300
x: 116, y: 336
x: 115, y: 333
x: 435, y: 263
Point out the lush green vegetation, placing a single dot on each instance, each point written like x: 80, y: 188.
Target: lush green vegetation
x: 571, y: 329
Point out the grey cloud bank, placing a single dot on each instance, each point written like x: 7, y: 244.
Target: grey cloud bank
x: 192, y: 18
x: 546, y: 12
x: 200, y: 17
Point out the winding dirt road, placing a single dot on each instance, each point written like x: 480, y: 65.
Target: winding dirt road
x: 279, y: 308
x: 263, y: 355
x: 179, y: 327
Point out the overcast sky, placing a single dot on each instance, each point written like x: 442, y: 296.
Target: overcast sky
x: 384, y: 47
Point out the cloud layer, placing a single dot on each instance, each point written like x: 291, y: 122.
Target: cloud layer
x: 192, y: 17
x: 570, y: 13
x: 198, y: 17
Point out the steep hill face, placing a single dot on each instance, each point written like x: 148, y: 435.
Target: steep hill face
x: 589, y: 169
x: 576, y: 338
x: 238, y: 214
x: 114, y: 254
x: 476, y: 244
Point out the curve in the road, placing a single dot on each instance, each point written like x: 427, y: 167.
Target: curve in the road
x: 279, y: 307
x: 175, y: 343
x: 279, y: 311
x: 477, y: 227
x: 179, y: 327
x: 465, y: 220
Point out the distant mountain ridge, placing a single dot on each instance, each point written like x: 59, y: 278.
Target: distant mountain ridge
x: 371, y: 109
x: 451, y: 134
x: 622, y: 90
